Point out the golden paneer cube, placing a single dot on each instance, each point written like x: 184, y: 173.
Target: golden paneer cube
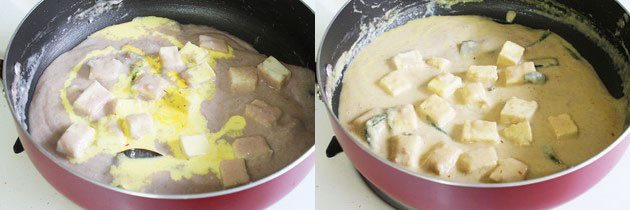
x: 509, y: 170
x: 198, y: 74
x: 402, y: 119
x: 405, y: 150
x: 445, y: 84
x: 276, y: 74
x: 442, y: 158
x: 192, y: 54
x: 394, y: 83
x: 477, y: 159
x: 473, y: 93
x: 515, y: 75
x: 194, y: 145
x: 520, y: 133
x: 517, y: 110
x: 213, y: 43
x: 243, y: 79
x: 359, y: 122
x: 563, y: 126
x: 439, y: 63
x: 411, y: 60
x: 510, y: 54
x: 234, y: 173
x: 480, y: 131
x: 262, y: 113
x: 436, y: 109
x: 484, y: 74
x: 253, y: 147
x: 126, y: 107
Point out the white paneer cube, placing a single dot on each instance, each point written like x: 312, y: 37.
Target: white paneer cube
x: 509, y: 170
x: 405, y: 150
x: 126, y: 107
x: 194, y: 145
x: 445, y: 84
x: 480, y: 131
x: 477, y: 159
x: 442, y: 158
x: 563, y: 126
x: 139, y: 125
x: 105, y: 69
x: 262, y: 113
x: 92, y: 100
x: 254, y: 147
x: 198, y: 74
x: 411, y: 60
x: 510, y: 54
x: 376, y: 133
x: 148, y: 86
x: 436, y: 109
x: 473, y: 93
x: 484, y: 74
x: 402, y: 119
x: 439, y: 63
x: 213, y: 43
x: 359, y: 122
x: 276, y: 74
x: 515, y: 75
x: 76, y: 139
x: 243, y: 79
x: 394, y: 83
x: 520, y: 133
x: 171, y: 59
x: 234, y: 173
x: 192, y: 54
x: 517, y: 110
x: 113, y: 135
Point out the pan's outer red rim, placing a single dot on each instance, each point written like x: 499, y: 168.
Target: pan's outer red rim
x: 48, y: 155
x: 321, y: 66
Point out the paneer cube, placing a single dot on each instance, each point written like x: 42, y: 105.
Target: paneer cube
x: 198, y: 74
x: 243, y: 79
x: 148, y: 86
x: 520, y: 133
x: 139, y: 125
x: 477, y: 159
x: 517, y: 110
x: 194, y: 145
x: 213, y: 43
x: 439, y: 63
x: 405, y: 150
x: 234, y: 173
x: 359, y: 122
x: 105, y: 69
x: 171, y: 59
x: 112, y: 135
x: 509, y: 170
x: 510, y: 54
x: 251, y: 148
x: 445, y: 84
x: 276, y: 74
x: 515, y: 75
x: 442, y: 158
x: 394, y: 83
x: 376, y: 133
x: 92, y: 100
x: 126, y: 107
x: 262, y: 113
x: 480, y: 131
x: 191, y: 54
x: 402, y: 119
x: 76, y: 139
x: 436, y: 109
x: 411, y: 60
x: 563, y: 126
x: 484, y: 74
x: 473, y: 93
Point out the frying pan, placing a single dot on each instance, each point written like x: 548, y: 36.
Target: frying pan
x: 598, y: 31
x: 282, y: 28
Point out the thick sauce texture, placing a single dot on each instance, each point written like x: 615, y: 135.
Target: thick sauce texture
x: 572, y: 87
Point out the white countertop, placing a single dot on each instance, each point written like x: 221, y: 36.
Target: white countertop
x: 21, y: 185
x: 340, y: 187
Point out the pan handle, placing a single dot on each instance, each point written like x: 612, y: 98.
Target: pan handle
x: 17, y: 147
x: 333, y: 148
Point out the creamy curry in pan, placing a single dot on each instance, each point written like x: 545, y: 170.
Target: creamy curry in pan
x: 471, y: 100
x: 156, y: 106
